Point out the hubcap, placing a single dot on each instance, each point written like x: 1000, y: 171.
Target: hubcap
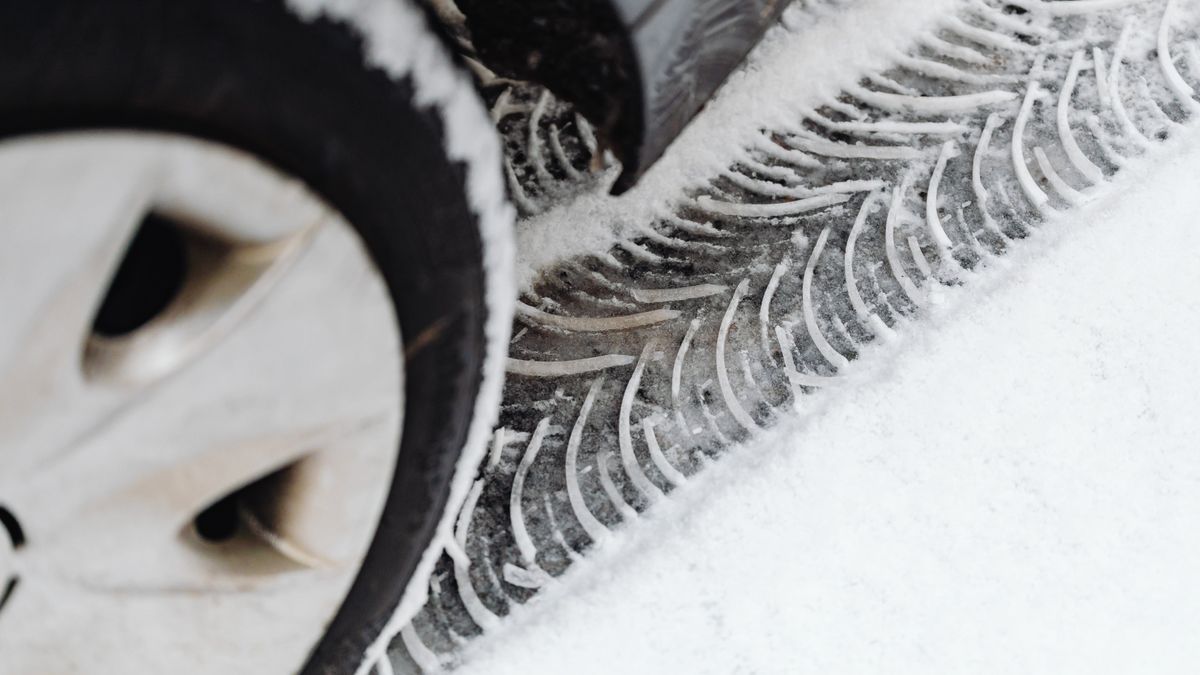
x: 200, y: 406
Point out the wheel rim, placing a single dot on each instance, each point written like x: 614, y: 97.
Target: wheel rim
x: 201, y: 470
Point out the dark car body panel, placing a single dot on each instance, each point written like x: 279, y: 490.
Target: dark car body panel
x: 685, y: 50
x: 640, y: 70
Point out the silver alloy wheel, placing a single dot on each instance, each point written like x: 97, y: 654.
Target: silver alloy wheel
x: 276, y: 365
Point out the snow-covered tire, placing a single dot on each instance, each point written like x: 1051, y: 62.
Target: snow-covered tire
x: 363, y: 103
x: 838, y: 224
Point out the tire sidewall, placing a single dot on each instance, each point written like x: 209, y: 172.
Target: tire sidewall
x: 297, y: 93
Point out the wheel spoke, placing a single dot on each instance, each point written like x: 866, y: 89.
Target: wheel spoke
x: 71, y: 215
x: 72, y: 210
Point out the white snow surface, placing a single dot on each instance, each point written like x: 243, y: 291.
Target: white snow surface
x: 1013, y: 488
x: 819, y: 47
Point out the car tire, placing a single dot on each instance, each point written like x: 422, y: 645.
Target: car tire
x: 366, y: 106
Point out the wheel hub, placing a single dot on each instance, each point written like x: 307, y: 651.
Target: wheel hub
x: 200, y: 405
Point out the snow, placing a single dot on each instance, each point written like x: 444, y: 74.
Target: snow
x: 1013, y: 486
x: 794, y: 62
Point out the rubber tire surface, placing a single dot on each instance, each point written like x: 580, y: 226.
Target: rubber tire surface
x: 250, y: 74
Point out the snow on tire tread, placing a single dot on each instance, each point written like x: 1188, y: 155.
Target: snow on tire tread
x: 634, y: 368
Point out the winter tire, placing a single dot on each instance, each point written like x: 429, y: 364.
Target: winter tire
x: 225, y: 143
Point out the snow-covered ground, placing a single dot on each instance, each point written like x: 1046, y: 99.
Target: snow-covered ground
x: 1015, y: 489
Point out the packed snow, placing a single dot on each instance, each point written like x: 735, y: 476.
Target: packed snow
x: 1015, y: 488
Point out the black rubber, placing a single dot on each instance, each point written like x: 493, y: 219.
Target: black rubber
x: 250, y: 74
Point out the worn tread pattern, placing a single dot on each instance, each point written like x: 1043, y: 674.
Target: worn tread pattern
x: 633, y: 369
